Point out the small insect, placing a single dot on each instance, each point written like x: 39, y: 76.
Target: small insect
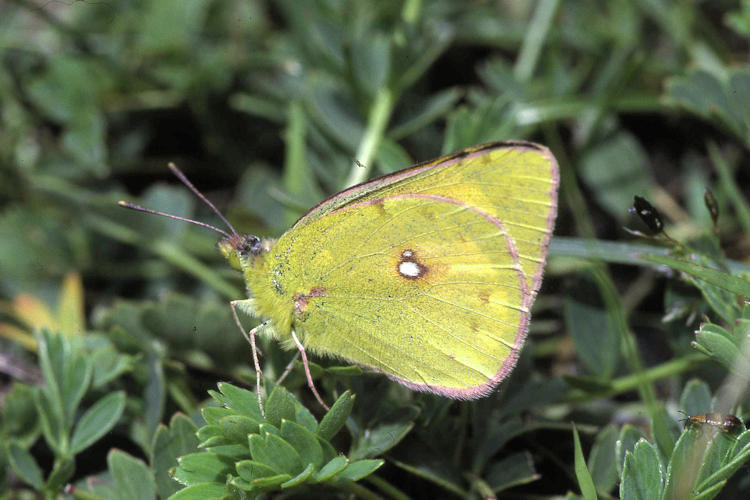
x: 724, y: 422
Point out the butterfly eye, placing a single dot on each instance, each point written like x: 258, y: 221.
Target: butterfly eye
x: 249, y: 245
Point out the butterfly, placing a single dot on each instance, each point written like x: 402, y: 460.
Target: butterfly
x: 426, y: 275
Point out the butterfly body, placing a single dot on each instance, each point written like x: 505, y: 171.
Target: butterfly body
x: 426, y: 275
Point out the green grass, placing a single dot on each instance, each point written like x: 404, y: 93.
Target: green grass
x: 115, y: 328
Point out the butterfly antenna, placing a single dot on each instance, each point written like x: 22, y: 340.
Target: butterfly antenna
x: 178, y: 173
x: 138, y: 208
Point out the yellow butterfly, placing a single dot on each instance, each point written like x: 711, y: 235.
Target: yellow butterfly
x: 426, y: 274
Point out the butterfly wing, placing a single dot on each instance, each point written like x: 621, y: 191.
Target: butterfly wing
x: 427, y: 277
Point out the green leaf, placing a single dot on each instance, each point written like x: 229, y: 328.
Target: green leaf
x: 154, y: 396
x: 108, y: 364
x: 300, y: 478
x: 304, y: 441
x: 75, y: 383
x: 336, y: 417
x: 696, y: 398
x: 276, y: 453
x: 203, y: 467
x: 279, y: 406
x: 625, y: 175
x: 240, y: 400
x: 132, y: 477
x: 686, y: 461
x: 51, y: 420
x: 642, y: 475
x: 629, y: 436
x: 97, y: 421
x: 437, y: 106
x: 596, y: 339
x: 303, y: 417
x: 585, y: 482
x: 725, y: 281
x: 202, y: 491
x: 722, y: 349
x: 513, y: 470
x: 370, y: 61
x: 355, y: 471
x: 237, y: 427
x: 52, y: 352
x: 665, y: 430
x: 24, y: 465
x: 602, y: 460
x: 169, y: 444
x: 716, y: 453
x: 332, y: 468
x: 250, y: 470
x: 18, y: 415
x: 740, y: 456
x: 62, y: 471
x: 271, y: 481
x: 382, y: 438
x: 213, y: 414
x: 208, y: 432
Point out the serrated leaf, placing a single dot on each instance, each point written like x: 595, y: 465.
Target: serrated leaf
x: 168, y: 445
x: 276, y: 453
x: 97, y: 421
x: 304, y: 441
x: 202, y: 491
x: 203, y: 467
x: 235, y: 428
x: 230, y: 451
x: 250, y: 470
x: 279, y: 406
x: 642, y: 473
x: 240, y: 400
x: 213, y: 414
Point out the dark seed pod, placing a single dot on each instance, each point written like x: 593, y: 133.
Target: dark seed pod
x: 648, y: 214
x: 711, y: 205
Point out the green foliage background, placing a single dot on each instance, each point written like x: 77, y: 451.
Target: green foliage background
x: 114, y: 325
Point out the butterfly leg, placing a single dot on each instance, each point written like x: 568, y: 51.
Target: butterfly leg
x: 250, y: 337
x: 288, y: 369
x: 307, y: 371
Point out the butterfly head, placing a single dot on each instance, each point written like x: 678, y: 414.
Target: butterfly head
x: 241, y: 249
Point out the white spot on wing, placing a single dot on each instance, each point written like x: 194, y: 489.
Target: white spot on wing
x: 409, y: 269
